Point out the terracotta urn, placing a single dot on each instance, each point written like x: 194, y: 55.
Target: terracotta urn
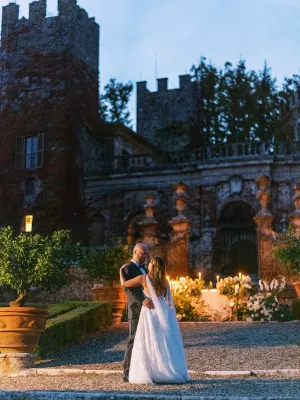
x: 21, y: 328
x: 114, y: 295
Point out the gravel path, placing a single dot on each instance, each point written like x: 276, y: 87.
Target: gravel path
x: 208, y: 346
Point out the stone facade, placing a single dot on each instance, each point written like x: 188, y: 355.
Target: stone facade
x: 220, y: 206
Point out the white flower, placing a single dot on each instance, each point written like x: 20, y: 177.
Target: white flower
x: 282, y: 315
x: 248, y: 319
x: 256, y: 315
x: 252, y: 315
x: 262, y: 319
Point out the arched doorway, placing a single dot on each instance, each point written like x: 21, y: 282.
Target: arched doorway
x: 235, y: 245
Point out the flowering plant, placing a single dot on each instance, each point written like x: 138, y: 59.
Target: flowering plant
x: 187, y: 299
x: 265, y: 306
x: 231, y: 286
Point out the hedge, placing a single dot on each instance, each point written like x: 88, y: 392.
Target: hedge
x: 296, y: 309
x: 73, y: 325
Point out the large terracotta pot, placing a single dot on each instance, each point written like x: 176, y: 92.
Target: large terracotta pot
x: 114, y: 295
x: 21, y: 328
x: 297, y: 288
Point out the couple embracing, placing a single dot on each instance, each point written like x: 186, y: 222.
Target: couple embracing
x: 154, y: 352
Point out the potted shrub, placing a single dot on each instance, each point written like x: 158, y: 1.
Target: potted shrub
x: 105, y: 264
x: 28, y: 261
x: 287, y: 251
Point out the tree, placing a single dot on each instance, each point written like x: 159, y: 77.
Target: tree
x: 114, y: 102
x: 240, y: 105
x: 35, y: 260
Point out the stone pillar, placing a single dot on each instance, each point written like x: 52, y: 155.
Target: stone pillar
x: 206, y: 249
x: 265, y: 233
x: 148, y: 227
x: 294, y: 218
x: 178, y: 251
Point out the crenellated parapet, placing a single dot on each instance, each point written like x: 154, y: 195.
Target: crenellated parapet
x: 162, y: 109
x: 72, y: 29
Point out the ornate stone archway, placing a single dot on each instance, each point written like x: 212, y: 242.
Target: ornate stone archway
x: 235, y: 248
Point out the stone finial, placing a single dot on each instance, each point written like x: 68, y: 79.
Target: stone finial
x: 180, y: 198
x: 150, y: 205
x: 148, y: 227
x: 180, y: 223
x: 263, y: 193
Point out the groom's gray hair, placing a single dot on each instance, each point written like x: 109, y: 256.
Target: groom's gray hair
x: 139, y: 245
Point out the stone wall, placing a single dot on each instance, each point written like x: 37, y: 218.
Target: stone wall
x: 49, y: 76
x: 212, y: 185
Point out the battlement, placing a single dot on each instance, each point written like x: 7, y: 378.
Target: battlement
x: 185, y: 82
x: 72, y: 28
x: 37, y: 10
x: 164, y: 107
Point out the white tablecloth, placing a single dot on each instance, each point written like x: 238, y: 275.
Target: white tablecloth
x: 216, y: 302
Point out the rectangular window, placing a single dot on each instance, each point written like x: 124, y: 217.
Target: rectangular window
x: 28, y: 223
x: 29, y: 152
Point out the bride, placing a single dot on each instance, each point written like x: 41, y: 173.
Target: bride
x: 157, y: 354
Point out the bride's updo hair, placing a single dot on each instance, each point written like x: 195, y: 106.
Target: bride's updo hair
x: 158, y: 274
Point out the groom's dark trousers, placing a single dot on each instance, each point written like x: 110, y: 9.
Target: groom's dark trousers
x: 135, y: 298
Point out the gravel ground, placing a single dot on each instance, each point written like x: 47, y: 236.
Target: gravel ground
x: 198, y: 387
x: 209, y: 346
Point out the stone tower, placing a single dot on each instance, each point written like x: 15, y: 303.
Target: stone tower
x: 164, y: 116
x: 49, y: 101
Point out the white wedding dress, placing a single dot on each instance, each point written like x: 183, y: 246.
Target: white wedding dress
x: 158, y: 354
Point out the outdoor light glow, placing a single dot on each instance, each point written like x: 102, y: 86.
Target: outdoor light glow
x: 28, y: 223
x: 240, y: 275
x: 199, y: 275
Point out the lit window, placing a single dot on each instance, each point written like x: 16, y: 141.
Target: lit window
x: 28, y: 223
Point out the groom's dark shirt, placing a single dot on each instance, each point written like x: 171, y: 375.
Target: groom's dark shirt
x: 135, y: 295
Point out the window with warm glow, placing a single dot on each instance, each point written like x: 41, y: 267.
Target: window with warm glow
x: 28, y: 223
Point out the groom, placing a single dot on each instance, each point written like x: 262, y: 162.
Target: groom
x: 135, y: 299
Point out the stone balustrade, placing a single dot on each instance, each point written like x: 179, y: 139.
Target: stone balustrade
x: 233, y: 152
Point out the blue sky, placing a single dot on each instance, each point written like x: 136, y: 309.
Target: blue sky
x: 180, y: 31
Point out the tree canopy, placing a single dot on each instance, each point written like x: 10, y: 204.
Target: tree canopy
x: 238, y: 105
x: 114, y: 102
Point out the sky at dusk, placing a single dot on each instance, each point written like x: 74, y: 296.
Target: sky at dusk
x: 177, y: 32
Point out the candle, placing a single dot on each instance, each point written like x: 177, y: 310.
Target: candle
x: 240, y: 275
x: 236, y: 289
x: 218, y: 278
x: 200, y: 275
x: 243, y: 277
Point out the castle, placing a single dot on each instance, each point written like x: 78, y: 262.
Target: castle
x: 62, y: 167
